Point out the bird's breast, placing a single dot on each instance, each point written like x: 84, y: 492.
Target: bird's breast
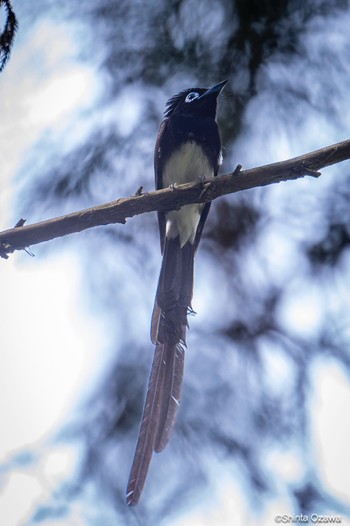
x: 188, y: 163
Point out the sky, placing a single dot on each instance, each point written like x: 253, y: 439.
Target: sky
x: 50, y: 344
x: 51, y: 357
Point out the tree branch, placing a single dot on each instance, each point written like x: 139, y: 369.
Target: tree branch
x: 172, y: 198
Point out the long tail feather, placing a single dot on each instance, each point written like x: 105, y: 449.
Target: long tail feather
x: 174, y: 294
x: 171, y: 395
x: 148, y: 429
x: 168, y: 333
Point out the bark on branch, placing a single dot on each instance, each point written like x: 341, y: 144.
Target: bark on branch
x: 118, y: 211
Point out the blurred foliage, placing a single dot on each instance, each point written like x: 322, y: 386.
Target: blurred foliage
x: 234, y: 407
x: 7, y: 34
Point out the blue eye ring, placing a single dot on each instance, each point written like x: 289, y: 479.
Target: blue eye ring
x: 192, y: 96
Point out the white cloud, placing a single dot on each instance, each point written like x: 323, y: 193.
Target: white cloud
x: 48, y: 348
x: 329, y: 414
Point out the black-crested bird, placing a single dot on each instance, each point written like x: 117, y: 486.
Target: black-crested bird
x: 188, y: 148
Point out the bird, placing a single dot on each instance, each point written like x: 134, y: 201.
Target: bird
x: 187, y: 149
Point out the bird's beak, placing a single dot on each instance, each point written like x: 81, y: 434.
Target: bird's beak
x: 215, y: 90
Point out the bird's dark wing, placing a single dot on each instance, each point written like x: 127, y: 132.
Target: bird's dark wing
x: 158, y: 172
x: 213, y: 150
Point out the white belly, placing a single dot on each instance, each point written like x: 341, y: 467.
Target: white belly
x: 184, y: 166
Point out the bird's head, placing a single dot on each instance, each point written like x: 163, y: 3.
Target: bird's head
x: 195, y: 101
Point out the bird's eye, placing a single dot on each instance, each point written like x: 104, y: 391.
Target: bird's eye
x: 191, y: 96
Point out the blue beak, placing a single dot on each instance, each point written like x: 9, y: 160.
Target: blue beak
x: 215, y: 90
